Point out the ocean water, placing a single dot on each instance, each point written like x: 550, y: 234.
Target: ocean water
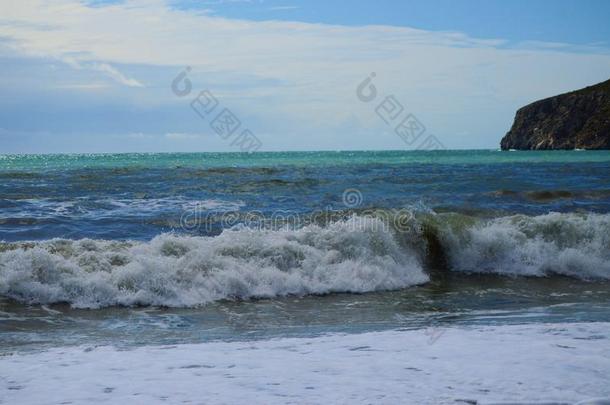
x: 333, y: 251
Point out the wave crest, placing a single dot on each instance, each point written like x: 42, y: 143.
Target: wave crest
x: 181, y: 271
x: 576, y: 245
x: 359, y: 254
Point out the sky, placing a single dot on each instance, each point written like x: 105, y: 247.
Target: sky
x: 103, y: 75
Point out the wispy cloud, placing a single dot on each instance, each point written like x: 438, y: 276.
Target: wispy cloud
x: 104, y: 68
x: 116, y: 75
x: 81, y: 86
x: 182, y: 136
x: 292, y: 81
x: 282, y: 8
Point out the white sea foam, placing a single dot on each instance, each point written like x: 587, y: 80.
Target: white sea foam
x: 518, y: 364
x: 576, y: 245
x: 114, y: 207
x: 358, y: 255
x: 180, y: 271
x: 139, y: 206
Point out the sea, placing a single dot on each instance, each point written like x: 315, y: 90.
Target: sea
x: 470, y: 276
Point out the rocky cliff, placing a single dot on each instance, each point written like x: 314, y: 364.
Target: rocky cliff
x: 576, y: 120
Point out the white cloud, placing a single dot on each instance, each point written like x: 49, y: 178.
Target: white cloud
x: 296, y: 78
x: 182, y: 136
x: 139, y: 135
x: 105, y: 68
x: 116, y: 75
x: 283, y: 8
x: 81, y: 86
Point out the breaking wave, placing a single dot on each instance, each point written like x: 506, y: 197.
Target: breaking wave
x: 575, y: 245
x: 359, y: 254
x: 182, y: 271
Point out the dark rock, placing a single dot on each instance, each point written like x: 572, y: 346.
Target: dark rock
x: 576, y: 120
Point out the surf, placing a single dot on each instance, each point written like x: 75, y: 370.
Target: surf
x: 358, y: 254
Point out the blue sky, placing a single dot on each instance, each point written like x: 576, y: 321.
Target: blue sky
x: 577, y: 22
x: 95, y: 76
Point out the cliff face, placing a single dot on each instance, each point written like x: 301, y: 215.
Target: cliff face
x: 575, y: 120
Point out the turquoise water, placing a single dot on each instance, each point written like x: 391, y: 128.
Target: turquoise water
x: 263, y: 159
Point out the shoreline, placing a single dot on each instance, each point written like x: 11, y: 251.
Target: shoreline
x: 564, y: 363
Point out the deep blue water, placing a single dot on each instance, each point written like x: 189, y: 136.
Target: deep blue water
x: 138, y: 196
